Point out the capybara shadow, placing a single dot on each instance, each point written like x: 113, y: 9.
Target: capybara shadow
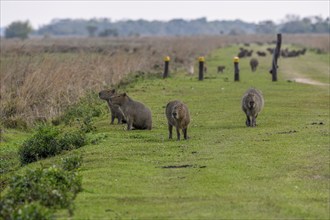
x: 115, y: 110
x: 252, y: 104
x: 137, y: 115
x: 177, y: 115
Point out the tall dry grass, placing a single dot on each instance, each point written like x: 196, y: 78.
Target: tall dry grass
x: 40, y: 78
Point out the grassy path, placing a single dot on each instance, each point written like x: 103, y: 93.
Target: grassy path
x: 278, y: 170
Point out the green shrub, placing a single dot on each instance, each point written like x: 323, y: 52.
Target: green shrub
x: 86, y: 125
x: 87, y: 107
x: 31, y: 211
x: 49, y: 141
x: 71, y: 140
x: 41, y: 145
x: 71, y: 163
x: 34, y: 194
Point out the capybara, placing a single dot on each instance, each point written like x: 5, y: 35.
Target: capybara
x: 177, y: 114
x: 254, y: 64
x: 137, y: 115
x: 115, y: 110
x: 261, y: 54
x: 221, y: 69
x: 252, y: 104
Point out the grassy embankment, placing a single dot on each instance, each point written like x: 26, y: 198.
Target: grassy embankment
x: 280, y: 169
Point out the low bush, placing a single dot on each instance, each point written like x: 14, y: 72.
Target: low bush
x: 42, y: 144
x: 87, y: 107
x: 39, y: 192
x: 49, y: 141
x: 70, y: 140
x: 71, y: 163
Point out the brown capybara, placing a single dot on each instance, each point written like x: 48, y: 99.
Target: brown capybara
x: 177, y: 114
x: 254, y: 64
x: 252, y: 104
x: 137, y: 115
x: 221, y: 69
x: 115, y: 110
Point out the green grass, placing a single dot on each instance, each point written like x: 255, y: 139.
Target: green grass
x: 280, y: 169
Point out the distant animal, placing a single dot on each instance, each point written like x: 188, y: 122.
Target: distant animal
x: 244, y: 53
x: 252, y: 104
x: 261, y: 54
x: 270, y: 50
x: 177, y: 115
x: 254, y: 64
x: 190, y: 69
x: 293, y: 53
x: 205, y: 69
x: 137, y: 115
x: 115, y: 110
x: 221, y: 69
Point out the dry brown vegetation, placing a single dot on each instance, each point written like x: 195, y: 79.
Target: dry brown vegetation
x: 40, y: 78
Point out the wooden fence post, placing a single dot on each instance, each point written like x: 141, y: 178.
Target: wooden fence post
x: 201, y: 68
x: 166, y: 67
x: 236, y: 66
x: 276, y: 54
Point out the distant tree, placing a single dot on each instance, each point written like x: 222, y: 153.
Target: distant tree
x: 236, y: 31
x: 266, y: 27
x: 91, y: 30
x: 314, y: 24
x: 18, y: 29
x: 109, y: 33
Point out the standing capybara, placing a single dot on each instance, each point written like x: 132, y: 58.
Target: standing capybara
x: 177, y: 114
x: 137, y: 115
x: 115, y: 110
x: 252, y: 104
x: 254, y: 64
x: 221, y: 69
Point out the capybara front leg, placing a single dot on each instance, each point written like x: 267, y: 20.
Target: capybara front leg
x: 254, y: 121
x: 178, y: 133
x: 248, y: 121
x: 185, y: 130
x: 119, y: 120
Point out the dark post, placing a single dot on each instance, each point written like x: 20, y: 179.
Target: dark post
x: 201, y: 68
x: 236, y: 62
x: 166, y: 67
x: 276, y: 54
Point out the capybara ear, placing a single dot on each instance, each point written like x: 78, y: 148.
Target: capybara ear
x: 114, y: 90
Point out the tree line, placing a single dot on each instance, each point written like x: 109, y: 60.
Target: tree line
x: 104, y: 27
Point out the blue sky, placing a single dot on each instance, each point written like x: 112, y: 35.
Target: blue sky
x: 42, y: 12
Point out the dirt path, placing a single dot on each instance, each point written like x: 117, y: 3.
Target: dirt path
x: 309, y: 81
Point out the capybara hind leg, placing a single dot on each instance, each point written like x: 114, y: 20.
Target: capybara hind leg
x: 129, y: 124
x: 170, y: 128
x: 112, y: 119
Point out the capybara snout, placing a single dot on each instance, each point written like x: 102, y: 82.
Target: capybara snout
x: 107, y: 93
